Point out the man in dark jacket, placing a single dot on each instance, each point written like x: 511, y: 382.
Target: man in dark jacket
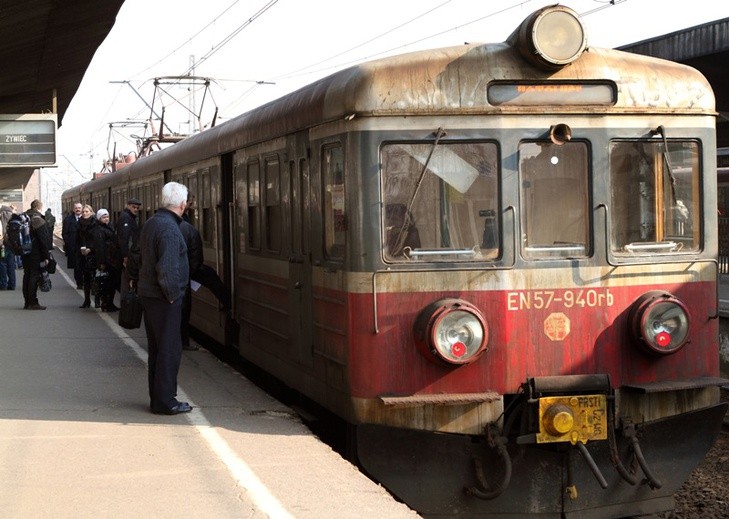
x: 127, y: 232
x: 68, y: 233
x: 163, y: 276
x: 42, y: 244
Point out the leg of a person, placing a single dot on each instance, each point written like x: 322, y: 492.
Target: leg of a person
x: 10, y: 268
x: 34, y: 275
x: 164, y: 321
x: 4, y: 272
x: 185, y: 324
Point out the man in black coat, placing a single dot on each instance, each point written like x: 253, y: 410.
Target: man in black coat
x: 42, y: 244
x: 68, y: 233
x: 162, y: 279
x: 127, y: 232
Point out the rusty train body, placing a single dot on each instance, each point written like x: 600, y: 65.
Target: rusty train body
x: 496, y: 261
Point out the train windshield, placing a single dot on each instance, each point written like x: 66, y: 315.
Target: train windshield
x: 655, y: 197
x: 440, y: 202
x: 555, y: 216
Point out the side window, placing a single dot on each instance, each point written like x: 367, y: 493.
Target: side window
x: 335, y: 211
x: 274, y: 214
x: 240, y: 207
x: 655, y: 203
x: 254, y: 202
x: 207, y: 211
x: 193, y: 196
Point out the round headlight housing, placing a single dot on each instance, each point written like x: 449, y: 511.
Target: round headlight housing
x: 660, y: 323
x: 451, y: 331
x: 551, y: 37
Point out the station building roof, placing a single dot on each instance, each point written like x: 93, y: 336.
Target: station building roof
x: 45, y: 48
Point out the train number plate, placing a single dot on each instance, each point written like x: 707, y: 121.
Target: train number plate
x: 573, y: 419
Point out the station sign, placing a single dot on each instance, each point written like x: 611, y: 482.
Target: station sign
x: 27, y: 140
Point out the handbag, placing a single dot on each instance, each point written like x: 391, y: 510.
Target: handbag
x: 44, y: 282
x: 51, y: 265
x: 130, y: 313
x: 99, y: 283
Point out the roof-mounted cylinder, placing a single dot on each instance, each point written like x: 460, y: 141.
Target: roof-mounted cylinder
x: 551, y: 37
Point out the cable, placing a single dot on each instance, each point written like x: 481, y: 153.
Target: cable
x: 187, y: 41
x: 232, y: 35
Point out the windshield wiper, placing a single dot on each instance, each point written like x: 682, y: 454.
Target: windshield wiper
x: 402, y: 233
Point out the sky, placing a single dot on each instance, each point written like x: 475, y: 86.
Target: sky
x: 259, y: 50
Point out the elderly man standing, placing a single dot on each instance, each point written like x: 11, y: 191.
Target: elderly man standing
x: 162, y: 280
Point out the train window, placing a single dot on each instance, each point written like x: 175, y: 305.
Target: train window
x: 274, y: 213
x: 254, y: 201
x: 440, y: 202
x: 554, y: 201
x: 205, y: 207
x: 655, y: 201
x: 335, y: 210
x: 193, y: 195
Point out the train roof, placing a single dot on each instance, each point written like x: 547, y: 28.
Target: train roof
x: 447, y: 81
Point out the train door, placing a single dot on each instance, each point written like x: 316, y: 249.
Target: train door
x: 300, y: 280
x: 225, y: 215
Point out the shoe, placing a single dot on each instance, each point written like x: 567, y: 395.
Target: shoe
x: 97, y: 305
x: 190, y: 347
x: 36, y: 306
x: 86, y: 304
x: 181, y: 407
x: 111, y: 308
x: 79, y: 287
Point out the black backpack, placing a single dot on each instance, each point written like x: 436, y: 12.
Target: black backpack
x: 17, y: 234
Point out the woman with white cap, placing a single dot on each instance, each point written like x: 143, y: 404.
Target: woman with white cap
x: 108, y: 260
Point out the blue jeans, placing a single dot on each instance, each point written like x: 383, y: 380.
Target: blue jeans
x: 7, y: 270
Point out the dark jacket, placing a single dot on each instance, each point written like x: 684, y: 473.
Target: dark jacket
x: 163, y: 265
x: 127, y: 231
x: 42, y: 241
x: 85, y: 238
x: 68, y: 233
x: 106, y: 247
x: 194, y: 245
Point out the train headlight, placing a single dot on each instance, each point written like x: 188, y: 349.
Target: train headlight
x: 451, y: 331
x: 551, y: 37
x: 660, y: 323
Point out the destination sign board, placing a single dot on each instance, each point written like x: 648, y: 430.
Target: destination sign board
x: 27, y: 140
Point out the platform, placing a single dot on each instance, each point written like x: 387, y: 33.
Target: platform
x: 77, y: 438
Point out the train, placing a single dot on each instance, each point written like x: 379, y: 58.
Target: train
x: 497, y: 263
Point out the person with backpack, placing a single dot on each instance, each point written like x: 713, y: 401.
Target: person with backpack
x: 36, y: 257
x: 7, y: 256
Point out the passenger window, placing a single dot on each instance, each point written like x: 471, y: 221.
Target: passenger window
x: 274, y: 214
x: 335, y: 214
x: 440, y: 202
x: 655, y: 203
x: 254, y: 201
x: 555, y: 216
x: 207, y: 212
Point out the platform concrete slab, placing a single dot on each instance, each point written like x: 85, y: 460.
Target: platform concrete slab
x: 77, y: 438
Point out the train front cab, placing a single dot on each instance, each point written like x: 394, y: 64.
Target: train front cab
x: 540, y: 337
